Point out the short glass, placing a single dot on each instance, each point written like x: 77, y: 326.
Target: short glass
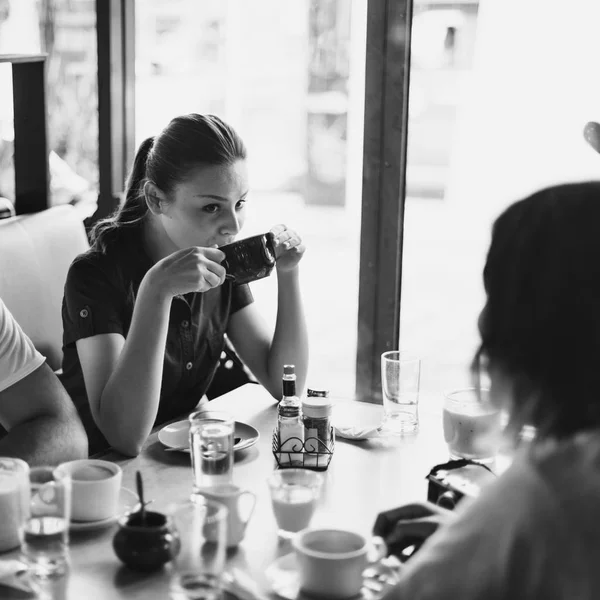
x: 211, y: 443
x: 472, y: 425
x: 14, y: 501
x: 400, y: 381
x: 294, y: 495
x: 45, y: 533
x: 197, y: 568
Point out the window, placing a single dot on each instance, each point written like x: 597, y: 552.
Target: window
x: 497, y: 110
x: 289, y: 76
x: 65, y: 29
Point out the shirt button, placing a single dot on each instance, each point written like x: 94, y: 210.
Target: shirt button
x: 185, y: 324
x: 83, y: 313
x: 188, y: 366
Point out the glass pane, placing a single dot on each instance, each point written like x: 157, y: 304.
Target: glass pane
x: 289, y: 76
x: 493, y: 117
x: 66, y: 30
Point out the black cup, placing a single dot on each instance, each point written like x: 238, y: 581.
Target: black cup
x: 250, y: 259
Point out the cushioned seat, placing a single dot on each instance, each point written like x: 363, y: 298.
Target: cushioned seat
x: 36, y: 251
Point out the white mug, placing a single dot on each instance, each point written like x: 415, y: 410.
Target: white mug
x: 95, y: 488
x: 240, y: 506
x: 331, y: 561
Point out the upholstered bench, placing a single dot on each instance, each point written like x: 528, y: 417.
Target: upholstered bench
x: 36, y: 251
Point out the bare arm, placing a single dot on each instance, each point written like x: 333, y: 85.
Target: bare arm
x: 123, y: 377
x: 265, y: 356
x: 41, y: 420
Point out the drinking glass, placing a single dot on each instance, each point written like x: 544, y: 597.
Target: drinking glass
x: 400, y: 380
x: 45, y: 536
x: 197, y: 568
x: 14, y: 500
x: 211, y: 442
x: 472, y: 425
x: 294, y: 495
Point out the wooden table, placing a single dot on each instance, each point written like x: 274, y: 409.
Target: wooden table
x: 363, y: 479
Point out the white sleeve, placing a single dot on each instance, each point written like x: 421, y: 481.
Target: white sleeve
x: 18, y: 356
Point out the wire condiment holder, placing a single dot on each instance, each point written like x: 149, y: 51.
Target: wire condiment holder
x: 296, y: 455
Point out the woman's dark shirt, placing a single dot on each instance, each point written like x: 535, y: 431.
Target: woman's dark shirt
x: 99, y: 298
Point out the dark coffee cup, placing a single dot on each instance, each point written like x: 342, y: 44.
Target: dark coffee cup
x: 249, y: 259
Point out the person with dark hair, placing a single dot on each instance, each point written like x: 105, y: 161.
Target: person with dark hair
x: 146, y: 309
x: 534, y: 532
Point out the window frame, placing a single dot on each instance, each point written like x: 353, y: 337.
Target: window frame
x: 389, y: 25
x: 115, y: 27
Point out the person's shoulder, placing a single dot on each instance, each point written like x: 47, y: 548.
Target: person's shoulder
x: 92, y: 257
x: 94, y: 270
x: 93, y: 260
x: 569, y: 465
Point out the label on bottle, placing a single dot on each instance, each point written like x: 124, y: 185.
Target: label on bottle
x: 289, y: 387
x: 289, y: 411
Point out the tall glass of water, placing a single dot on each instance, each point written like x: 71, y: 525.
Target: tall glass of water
x: 211, y: 442
x: 400, y: 381
x: 45, y: 537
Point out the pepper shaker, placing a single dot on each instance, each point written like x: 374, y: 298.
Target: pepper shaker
x: 316, y: 416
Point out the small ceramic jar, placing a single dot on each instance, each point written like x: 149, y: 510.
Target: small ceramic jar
x: 146, y: 546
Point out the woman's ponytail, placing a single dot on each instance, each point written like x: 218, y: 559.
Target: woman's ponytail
x: 133, y: 210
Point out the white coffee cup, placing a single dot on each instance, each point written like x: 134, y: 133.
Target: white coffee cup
x: 95, y: 488
x: 331, y: 561
x: 240, y: 506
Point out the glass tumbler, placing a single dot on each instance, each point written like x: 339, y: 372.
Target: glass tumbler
x: 45, y: 535
x: 400, y: 381
x: 294, y: 495
x: 197, y: 568
x: 211, y: 442
x: 14, y: 501
x: 472, y: 425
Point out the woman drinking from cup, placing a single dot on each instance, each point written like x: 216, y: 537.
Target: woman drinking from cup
x: 146, y: 309
x: 535, y: 532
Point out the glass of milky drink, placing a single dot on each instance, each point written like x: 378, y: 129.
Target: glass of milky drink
x: 211, y: 442
x: 294, y: 495
x: 472, y: 425
x: 14, y: 500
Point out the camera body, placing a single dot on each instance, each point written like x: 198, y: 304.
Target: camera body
x: 450, y: 482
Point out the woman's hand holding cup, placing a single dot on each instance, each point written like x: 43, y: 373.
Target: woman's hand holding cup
x: 192, y: 269
x: 289, y: 248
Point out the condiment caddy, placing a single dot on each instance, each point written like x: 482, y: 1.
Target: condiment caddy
x: 303, y: 437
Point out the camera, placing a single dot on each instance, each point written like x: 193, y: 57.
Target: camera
x: 450, y: 482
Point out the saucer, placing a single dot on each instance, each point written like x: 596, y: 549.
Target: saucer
x: 284, y: 579
x: 175, y: 435
x: 128, y: 500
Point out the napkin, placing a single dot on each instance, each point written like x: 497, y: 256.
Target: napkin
x: 12, y: 575
x: 357, y: 432
x: 242, y: 586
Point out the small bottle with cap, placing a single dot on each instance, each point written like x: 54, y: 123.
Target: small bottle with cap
x: 289, y: 417
x: 316, y: 416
